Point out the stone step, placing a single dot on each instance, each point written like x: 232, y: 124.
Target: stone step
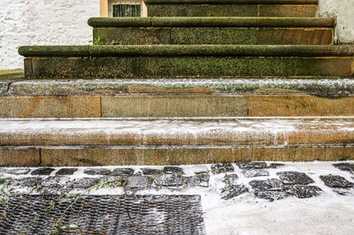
x: 278, y: 8
x: 173, y: 61
x: 247, y: 97
x: 212, y: 30
x: 172, y: 141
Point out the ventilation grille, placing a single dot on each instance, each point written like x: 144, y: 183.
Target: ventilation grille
x: 111, y: 214
x: 126, y: 10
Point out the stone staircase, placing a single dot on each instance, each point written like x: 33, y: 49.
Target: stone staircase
x: 198, y: 81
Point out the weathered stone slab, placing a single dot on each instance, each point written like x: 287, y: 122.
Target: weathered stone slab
x: 122, y: 172
x: 178, y: 132
x: 345, y: 167
x: 11, y: 74
x: 336, y: 181
x: 183, y: 66
x: 42, y: 171
x: 201, y: 10
x: 284, y: 10
x: 15, y: 171
x: 222, y: 168
x: 255, y: 173
x: 135, y: 183
x: 252, y: 165
x: 170, y: 181
x: 4, y: 87
x: 293, y: 177
x: 173, y: 105
x: 19, y: 156
x: 303, y: 191
x: 298, y: 105
x: 66, y: 171
x: 273, y: 10
x: 233, y: 191
x: 51, y: 106
x: 329, y: 87
x: 213, y: 35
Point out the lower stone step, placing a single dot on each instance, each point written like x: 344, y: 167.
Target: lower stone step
x: 248, y: 97
x: 173, y: 61
x: 279, y: 8
x: 212, y: 30
x: 172, y: 141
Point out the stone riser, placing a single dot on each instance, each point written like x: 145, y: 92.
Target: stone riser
x: 178, y: 105
x: 183, y: 66
x: 135, y: 155
x: 241, y: 10
x: 315, y: 96
x: 209, y: 35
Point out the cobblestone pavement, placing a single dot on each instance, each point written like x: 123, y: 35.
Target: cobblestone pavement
x: 131, y: 196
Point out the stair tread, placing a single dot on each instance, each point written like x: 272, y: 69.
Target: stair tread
x: 319, y: 86
x: 178, y: 131
x: 212, y: 22
x: 189, y: 50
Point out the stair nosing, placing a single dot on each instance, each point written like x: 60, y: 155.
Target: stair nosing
x: 189, y: 50
x: 276, y: 22
x: 221, y: 2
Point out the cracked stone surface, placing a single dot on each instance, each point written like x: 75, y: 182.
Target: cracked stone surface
x: 345, y: 167
x: 15, y: 171
x: 169, y: 180
x: 230, y: 179
x: 233, y: 191
x: 222, y: 168
x: 303, y: 191
x: 101, y: 171
x: 84, y: 183
x: 200, y: 180
x: 231, y: 188
x: 336, y: 181
x: 66, y: 171
x: 135, y: 183
x: 151, y: 171
x: 293, y: 177
x: 173, y: 170
x: 251, y: 173
x: 42, y: 171
x: 270, y: 189
x: 251, y: 165
x: 122, y: 172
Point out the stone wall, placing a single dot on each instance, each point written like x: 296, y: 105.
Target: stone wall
x: 343, y: 10
x: 28, y: 22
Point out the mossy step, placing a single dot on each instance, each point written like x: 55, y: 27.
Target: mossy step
x: 280, y: 8
x: 247, y: 97
x: 7, y: 74
x: 212, y: 30
x: 173, y: 141
x: 104, y: 62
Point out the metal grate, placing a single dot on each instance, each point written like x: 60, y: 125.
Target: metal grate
x: 112, y: 214
x: 126, y: 10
